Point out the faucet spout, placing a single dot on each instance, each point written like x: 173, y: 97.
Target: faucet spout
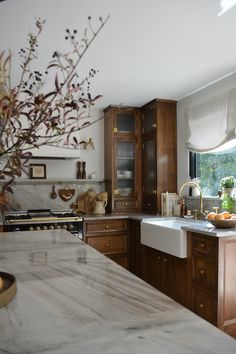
x: 192, y: 184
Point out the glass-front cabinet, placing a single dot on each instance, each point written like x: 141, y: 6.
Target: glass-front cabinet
x: 149, y: 168
x: 122, y: 158
x: 125, y: 167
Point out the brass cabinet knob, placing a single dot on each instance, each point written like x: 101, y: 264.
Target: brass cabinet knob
x: 165, y: 260
x: 114, y: 130
x: 107, y: 227
x: 202, y: 245
x: 115, y: 191
x: 149, y: 204
x: 154, y: 125
x: 154, y: 191
x: 158, y: 257
x: 202, y: 271
x: 126, y: 204
x: 107, y: 244
x: 202, y: 306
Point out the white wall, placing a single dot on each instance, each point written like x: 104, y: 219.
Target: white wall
x: 210, y: 90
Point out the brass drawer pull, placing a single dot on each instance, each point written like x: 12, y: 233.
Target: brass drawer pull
x: 202, y: 306
x: 202, y: 271
x: 106, y: 227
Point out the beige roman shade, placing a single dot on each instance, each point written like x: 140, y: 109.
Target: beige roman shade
x: 211, y: 123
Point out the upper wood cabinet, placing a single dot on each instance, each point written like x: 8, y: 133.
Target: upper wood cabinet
x: 122, y: 158
x: 159, y: 155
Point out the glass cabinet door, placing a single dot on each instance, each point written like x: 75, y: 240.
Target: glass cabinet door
x: 148, y: 119
x: 125, y: 122
x: 149, y: 167
x: 125, y: 167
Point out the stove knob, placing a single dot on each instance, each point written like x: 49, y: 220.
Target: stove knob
x: 45, y: 227
x: 58, y: 226
x: 70, y: 227
x: 31, y: 228
x: 65, y: 227
x: 38, y: 228
x: 51, y: 227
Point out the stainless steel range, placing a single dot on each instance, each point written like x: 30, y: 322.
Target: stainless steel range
x: 43, y: 219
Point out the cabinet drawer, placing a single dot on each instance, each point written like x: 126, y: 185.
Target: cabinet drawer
x: 205, y: 272
x: 121, y: 260
x: 109, y: 244
x: 205, y: 305
x: 204, y: 245
x: 126, y: 204
x: 105, y: 226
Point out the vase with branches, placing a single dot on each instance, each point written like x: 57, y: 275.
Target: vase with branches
x: 32, y: 116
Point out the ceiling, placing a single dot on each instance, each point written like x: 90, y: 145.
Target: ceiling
x: 147, y: 49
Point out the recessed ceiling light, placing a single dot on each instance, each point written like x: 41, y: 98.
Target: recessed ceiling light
x: 226, y: 5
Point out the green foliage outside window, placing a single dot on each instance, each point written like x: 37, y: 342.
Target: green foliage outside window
x: 212, y: 167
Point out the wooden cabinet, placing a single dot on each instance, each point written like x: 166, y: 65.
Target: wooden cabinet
x: 169, y: 274
x: 122, y: 158
x: 159, y: 159
x: 213, y: 280
x: 108, y: 237
x: 136, y: 251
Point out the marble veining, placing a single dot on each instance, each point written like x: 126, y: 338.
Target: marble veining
x: 71, y: 299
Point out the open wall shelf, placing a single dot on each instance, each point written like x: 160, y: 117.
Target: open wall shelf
x: 52, y: 181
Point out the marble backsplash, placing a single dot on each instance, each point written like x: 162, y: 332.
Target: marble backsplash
x: 38, y: 195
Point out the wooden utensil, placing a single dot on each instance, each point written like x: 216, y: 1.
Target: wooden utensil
x: 53, y: 194
x: 66, y: 193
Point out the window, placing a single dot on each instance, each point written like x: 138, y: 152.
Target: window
x: 211, y: 167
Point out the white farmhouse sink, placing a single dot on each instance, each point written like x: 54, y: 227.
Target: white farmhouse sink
x: 165, y: 235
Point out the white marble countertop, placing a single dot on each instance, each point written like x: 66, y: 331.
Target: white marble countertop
x: 71, y: 299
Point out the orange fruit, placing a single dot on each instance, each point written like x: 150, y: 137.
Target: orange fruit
x: 219, y: 217
x: 226, y: 214
x: 211, y: 215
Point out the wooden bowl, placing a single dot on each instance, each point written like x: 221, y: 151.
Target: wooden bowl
x: 8, y: 289
x: 223, y: 224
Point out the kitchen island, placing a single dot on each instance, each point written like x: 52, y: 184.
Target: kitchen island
x: 72, y: 299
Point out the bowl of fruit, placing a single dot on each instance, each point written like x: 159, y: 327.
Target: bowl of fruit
x: 223, y: 220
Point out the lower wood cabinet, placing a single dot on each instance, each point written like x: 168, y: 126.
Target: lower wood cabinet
x: 214, y: 279
x: 108, y: 237
x: 136, y: 251
x: 169, y: 274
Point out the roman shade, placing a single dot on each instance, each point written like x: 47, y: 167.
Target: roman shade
x: 211, y: 122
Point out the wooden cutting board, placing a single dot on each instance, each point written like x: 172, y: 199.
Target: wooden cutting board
x: 85, y: 202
